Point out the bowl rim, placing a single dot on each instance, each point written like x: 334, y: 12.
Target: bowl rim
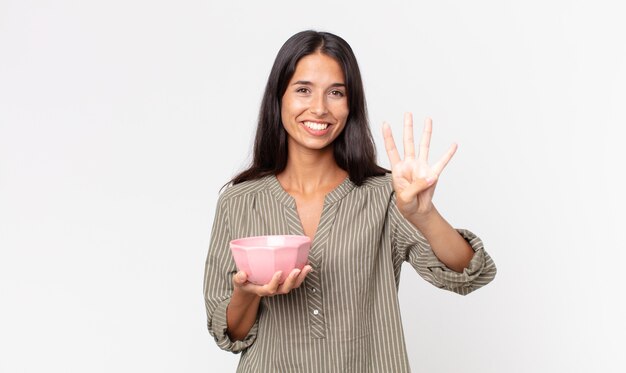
x: 237, y: 242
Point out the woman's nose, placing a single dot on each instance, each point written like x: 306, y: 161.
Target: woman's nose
x: 318, y: 105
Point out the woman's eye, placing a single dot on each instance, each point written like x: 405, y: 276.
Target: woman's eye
x: 302, y: 90
x: 337, y: 93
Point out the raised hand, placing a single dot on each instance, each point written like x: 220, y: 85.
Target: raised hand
x: 414, y: 181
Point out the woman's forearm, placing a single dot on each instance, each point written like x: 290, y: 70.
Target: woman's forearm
x: 447, y: 244
x: 241, y: 313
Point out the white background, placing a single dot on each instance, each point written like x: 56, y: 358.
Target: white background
x: 121, y: 120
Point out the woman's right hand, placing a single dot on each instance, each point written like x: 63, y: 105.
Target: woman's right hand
x: 293, y: 281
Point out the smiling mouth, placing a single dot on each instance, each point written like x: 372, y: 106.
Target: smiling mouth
x: 315, y: 126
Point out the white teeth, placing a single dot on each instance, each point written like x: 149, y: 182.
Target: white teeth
x: 316, y: 126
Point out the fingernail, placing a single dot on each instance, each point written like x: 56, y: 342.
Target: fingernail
x: 430, y: 180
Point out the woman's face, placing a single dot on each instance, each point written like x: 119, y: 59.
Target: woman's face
x: 315, y: 105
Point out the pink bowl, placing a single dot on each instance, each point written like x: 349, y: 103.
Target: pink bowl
x: 262, y: 256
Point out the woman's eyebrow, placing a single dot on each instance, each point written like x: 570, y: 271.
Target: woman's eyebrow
x: 306, y: 82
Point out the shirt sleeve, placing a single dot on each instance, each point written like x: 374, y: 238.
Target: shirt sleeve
x: 412, y: 247
x: 218, y: 288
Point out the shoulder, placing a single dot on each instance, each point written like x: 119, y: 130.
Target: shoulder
x: 382, y: 183
x: 375, y: 188
x: 244, y: 189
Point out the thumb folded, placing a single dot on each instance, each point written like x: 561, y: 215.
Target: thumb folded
x: 418, y: 185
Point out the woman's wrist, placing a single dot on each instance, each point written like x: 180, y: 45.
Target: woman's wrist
x: 423, y: 220
x: 243, y: 299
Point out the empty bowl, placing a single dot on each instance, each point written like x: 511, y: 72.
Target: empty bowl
x: 262, y: 256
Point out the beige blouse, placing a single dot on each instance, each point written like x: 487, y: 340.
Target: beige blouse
x: 346, y: 316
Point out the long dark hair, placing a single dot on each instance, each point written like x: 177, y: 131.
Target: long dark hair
x: 353, y: 149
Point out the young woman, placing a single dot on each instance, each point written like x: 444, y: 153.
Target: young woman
x: 314, y: 173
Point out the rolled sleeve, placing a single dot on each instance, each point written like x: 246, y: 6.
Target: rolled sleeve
x: 218, y: 287
x: 480, y: 271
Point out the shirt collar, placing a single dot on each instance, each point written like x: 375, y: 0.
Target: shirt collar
x: 273, y: 185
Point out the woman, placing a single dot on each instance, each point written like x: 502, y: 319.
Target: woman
x: 314, y: 172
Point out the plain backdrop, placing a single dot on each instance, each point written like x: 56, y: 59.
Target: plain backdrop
x: 121, y: 120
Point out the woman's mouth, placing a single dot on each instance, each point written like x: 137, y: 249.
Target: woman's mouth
x: 316, y: 128
x: 315, y: 125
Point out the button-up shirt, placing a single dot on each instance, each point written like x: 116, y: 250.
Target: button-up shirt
x: 346, y: 315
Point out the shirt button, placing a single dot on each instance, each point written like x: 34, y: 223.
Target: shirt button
x: 316, y: 312
x: 314, y: 290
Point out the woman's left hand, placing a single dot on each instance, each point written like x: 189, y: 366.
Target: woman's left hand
x: 414, y: 181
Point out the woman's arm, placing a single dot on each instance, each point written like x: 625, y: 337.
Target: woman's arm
x: 241, y: 314
x: 410, y: 245
x: 447, y: 244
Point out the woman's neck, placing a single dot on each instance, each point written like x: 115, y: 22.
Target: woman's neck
x: 311, y: 171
